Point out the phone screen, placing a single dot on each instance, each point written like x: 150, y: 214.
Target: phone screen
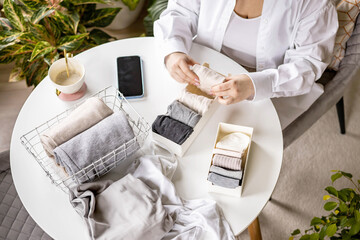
x: 129, y: 72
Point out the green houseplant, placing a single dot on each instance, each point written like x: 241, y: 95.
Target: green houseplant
x: 34, y: 33
x: 155, y: 8
x: 343, y: 220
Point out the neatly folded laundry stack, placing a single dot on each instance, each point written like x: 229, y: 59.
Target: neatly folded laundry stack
x: 90, y: 141
x: 185, y: 112
x: 226, y: 169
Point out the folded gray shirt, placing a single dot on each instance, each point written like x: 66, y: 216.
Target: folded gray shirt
x: 178, y: 111
x: 105, y: 140
x: 226, y: 172
x: 125, y: 209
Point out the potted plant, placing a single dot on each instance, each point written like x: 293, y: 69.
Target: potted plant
x: 34, y: 33
x: 155, y: 8
x: 343, y: 220
x: 130, y: 11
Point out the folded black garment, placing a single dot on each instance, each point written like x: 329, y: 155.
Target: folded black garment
x: 171, y: 129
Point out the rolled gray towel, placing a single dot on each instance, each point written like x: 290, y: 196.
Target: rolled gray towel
x: 178, y: 111
x: 226, y: 172
x: 106, y: 137
x: 223, y: 181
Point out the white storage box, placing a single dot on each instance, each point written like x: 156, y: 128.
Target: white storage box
x: 225, y: 129
x: 180, y: 150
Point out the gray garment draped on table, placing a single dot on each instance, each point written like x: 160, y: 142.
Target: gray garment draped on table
x: 106, y: 137
x: 125, y: 209
x: 178, y: 111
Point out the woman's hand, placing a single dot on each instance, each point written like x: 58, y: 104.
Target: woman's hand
x: 178, y: 66
x: 234, y: 89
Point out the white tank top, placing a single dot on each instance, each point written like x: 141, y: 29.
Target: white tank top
x: 240, y: 40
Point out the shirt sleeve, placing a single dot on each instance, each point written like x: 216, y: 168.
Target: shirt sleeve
x: 306, y: 61
x: 177, y: 26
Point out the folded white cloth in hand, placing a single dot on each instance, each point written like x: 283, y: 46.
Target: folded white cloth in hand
x: 92, y: 111
x: 236, y: 141
x: 111, y: 140
x: 125, y: 209
x: 207, y: 77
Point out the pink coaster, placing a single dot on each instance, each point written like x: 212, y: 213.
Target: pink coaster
x: 74, y: 96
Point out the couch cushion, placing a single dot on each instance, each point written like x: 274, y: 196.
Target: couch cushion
x: 348, y: 11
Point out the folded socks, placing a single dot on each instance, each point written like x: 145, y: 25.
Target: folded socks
x: 227, y: 162
x: 227, y: 153
x: 180, y: 112
x: 171, y: 129
x: 107, y: 137
x: 198, y: 103
x: 83, y: 117
x: 226, y: 172
x: 223, y: 181
x: 207, y: 77
x: 235, y: 142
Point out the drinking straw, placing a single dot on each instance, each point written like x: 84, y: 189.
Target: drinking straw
x: 66, y: 63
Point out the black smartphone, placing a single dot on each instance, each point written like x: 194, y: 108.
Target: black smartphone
x: 130, y: 76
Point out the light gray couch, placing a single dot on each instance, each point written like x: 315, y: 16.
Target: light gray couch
x: 335, y: 84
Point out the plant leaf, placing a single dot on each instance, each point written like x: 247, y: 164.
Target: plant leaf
x: 5, y: 24
x: 315, y: 221
x: 78, y: 2
x: 9, y: 36
x: 7, y: 54
x: 99, y: 36
x: 34, y: 4
x: 40, y: 14
x: 100, y: 17
x: 322, y: 232
x: 75, y: 18
x: 71, y: 43
x: 157, y: 8
x: 14, y: 15
x: 330, y: 206
x: 342, y: 206
x: 349, y: 175
x: 131, y: 4
x: 295, y: 232
x: 305, y: 237
x: 314, y: 236
x: 355, y: 228
x: 15, y: 75
x: 335, y: 176
x: 64, y: 23
x: 331, y: 230
x: 332, y: 191
x: 357, y: 215
x: 41, y: 48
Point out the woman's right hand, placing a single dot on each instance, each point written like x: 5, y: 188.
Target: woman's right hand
x: 177, y: 64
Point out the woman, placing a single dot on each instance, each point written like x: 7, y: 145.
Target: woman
x: 288, y: 42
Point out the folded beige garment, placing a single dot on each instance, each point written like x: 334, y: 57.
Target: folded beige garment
x: 198, y: 103
x: 92, y: 111
x: 236, y: 141
x: 207, y: 77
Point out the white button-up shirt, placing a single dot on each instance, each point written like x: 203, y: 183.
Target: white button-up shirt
x: 294, y: 45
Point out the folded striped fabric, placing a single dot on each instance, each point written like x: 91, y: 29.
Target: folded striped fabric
x: 227, y: 162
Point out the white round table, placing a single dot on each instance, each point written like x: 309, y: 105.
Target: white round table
x: 50, y: 207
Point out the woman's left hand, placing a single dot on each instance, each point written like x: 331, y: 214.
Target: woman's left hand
x: 234, y: 89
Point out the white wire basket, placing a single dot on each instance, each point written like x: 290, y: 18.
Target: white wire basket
x: 114, y: 100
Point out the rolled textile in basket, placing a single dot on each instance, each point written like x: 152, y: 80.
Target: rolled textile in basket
x: 178, y: 111
x: 92, y: 111
x: 95, y: 151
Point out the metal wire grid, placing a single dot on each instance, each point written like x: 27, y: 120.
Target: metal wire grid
x: 116, y: 101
